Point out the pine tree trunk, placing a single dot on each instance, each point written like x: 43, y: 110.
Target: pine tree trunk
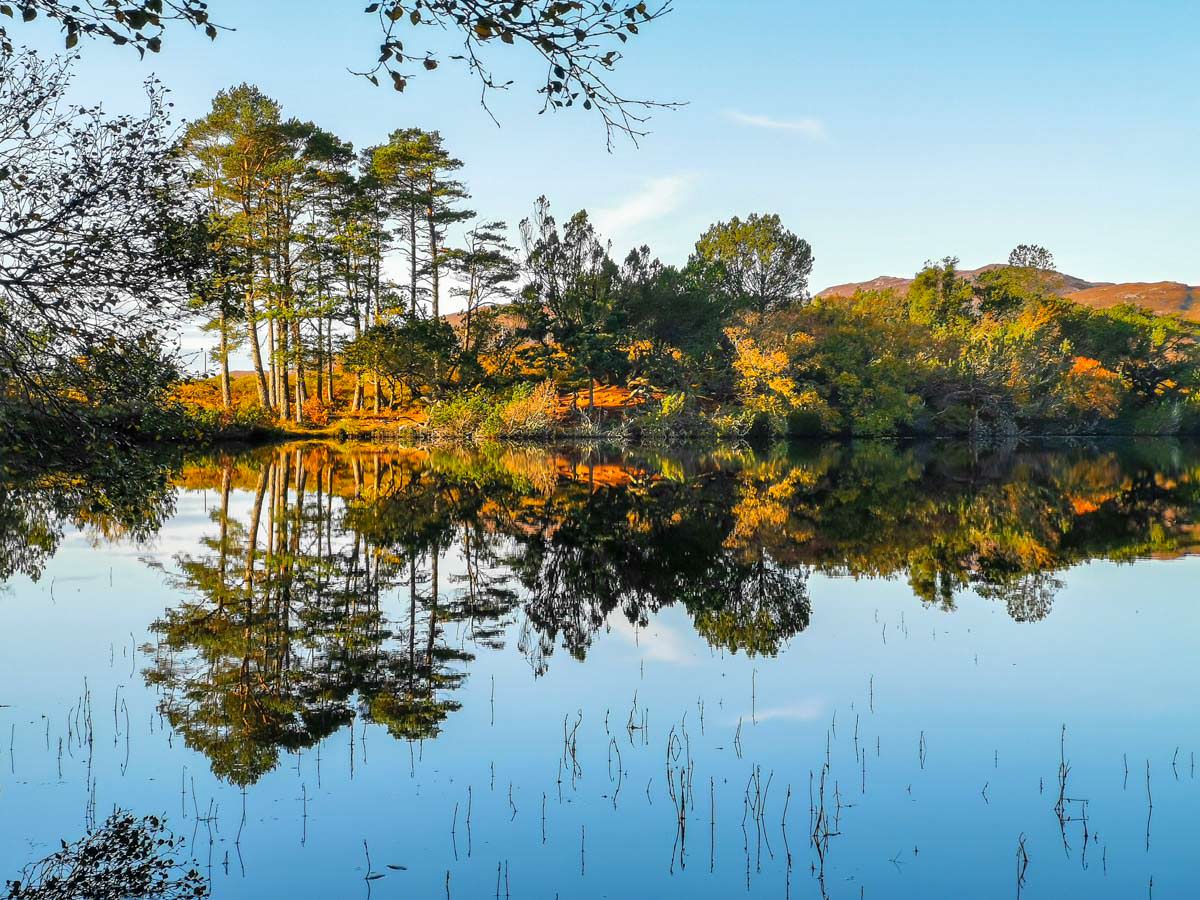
x: 329, y: 355
x: 226, y: 390
x: 301, y: 389
x: 285, y: 400
x: 431, y: 224
x: 320, y: 360
x: 412, y: 256
x: 274, y: 363
x: 358, y: 379
x: 264, y: 398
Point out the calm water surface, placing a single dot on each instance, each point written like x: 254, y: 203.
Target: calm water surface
x: 867, y: 671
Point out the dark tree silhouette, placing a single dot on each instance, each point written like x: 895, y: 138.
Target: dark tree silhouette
x: 579, y: 41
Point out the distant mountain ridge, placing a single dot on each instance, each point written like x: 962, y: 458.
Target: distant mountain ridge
x: 1158, y: 296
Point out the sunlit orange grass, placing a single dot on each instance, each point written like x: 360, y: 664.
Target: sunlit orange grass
x: 600, y: 475
x: 607, y: 396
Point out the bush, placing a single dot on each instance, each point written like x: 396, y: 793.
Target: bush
x: 530, y: 411
x: 527, y: 410
x: 672, y: 419
x: 1161, y: 418
x: 460, y: 417
x: 241, y: 421
x: 316, y: 412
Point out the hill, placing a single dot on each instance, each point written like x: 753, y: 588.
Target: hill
x: 1157, y: 296
x: 1161, y: 297
x: 1070, y: 284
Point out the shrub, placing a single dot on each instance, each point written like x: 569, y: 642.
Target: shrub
x: 530, y: 411
x: 674, y: 418
x: 460, y: 417
x: 316, y: 412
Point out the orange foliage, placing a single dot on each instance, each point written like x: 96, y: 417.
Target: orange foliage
x: 316, y: 412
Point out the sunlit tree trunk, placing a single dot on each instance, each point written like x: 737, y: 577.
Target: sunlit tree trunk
x: 431, y: 224
x: 274, y: 360
x: 320, y: 373
x: 301, y: 391
x: 284, y: 390
x: 358, y: 379
x: 226, y: 389
x: 264, y: 397
x: 412, y: 257
x: 329, y: 356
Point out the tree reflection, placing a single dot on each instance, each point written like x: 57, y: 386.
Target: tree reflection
x: 362, y: 583
x: 339, y: 584
x: 127, y: 498
x: 284, y: 638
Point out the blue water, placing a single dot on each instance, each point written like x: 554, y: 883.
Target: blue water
x: 940, y: 733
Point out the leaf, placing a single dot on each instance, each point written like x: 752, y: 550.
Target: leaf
x: 431, y: 64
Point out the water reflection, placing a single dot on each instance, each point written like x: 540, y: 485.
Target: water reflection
x: 284, y: 636
x: 129, y: 497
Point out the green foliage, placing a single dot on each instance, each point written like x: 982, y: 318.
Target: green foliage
x: 419, y: 353
x: 756, y: 264
x: 674, y: 322
x: 571, y: 300
x: 1156, y: 357
x: 939, y: 296
x: 524, y: 411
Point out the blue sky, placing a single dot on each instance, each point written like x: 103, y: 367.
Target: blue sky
x: 884, y: 133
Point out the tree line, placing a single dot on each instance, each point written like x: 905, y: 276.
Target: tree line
x: 348, y: 261
x: 296, y: 229
x: 359, y: 283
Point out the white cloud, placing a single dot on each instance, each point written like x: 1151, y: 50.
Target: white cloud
x: 659, y: 197
x: 657, y: 642
x: 805, y: 711
x: 809, y: 127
